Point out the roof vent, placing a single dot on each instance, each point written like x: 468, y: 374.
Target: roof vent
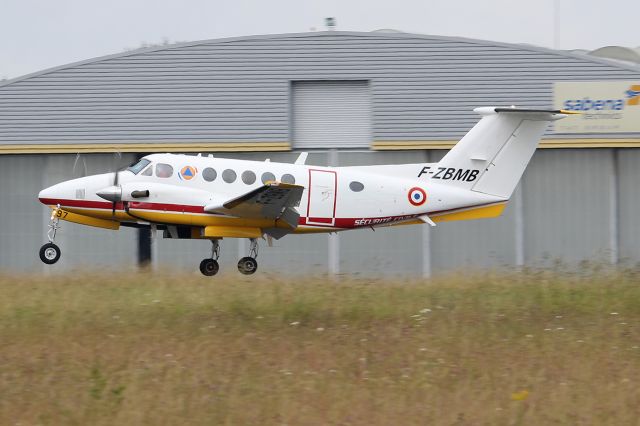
x: 330, y: 23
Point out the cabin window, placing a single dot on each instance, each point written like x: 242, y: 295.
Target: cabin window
x: 164, y: 170
x: 248, y: 177
x: 148, y: 171
x: 356, y: 186
x: 209, y: 174
x: 287, y: 178
x: 268, y: 177
x: 229, y: 176
x: 135, y: 168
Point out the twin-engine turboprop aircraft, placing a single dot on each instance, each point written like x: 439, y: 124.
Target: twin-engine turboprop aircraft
x: 202, y: 197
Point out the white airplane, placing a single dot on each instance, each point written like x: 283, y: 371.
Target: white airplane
x: 202, y: 197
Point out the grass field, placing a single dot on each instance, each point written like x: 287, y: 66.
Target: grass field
x: 535, y: 348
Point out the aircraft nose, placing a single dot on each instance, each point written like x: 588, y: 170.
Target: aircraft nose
x: 47, y: 195
x: 75, y: 189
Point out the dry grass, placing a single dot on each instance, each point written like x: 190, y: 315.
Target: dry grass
x: 497, y: 349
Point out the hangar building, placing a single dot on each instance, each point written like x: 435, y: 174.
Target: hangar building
x: 349, y: 98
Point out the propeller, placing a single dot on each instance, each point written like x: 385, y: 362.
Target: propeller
x: 113, y: 193
x: 115, y: 185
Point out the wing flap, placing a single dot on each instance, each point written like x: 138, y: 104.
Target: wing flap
x: 267, y: 202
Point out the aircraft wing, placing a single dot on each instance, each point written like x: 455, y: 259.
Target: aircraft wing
x: 274, y: 200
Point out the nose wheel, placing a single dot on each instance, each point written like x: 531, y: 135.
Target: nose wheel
x: 50, y: 252
x: 210, y: 266
x: 248, y: 265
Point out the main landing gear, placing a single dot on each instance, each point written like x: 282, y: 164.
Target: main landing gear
x: 50, y: 253
x: 210, y: 267
x: 247, y: 265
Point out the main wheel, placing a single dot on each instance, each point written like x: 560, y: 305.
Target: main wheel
x: 247, y: 265
x: 209, y: 267
x: 50, y: 253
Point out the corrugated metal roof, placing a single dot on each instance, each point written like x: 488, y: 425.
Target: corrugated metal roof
x: 238, y: 89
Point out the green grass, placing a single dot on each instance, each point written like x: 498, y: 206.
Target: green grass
x: 506, y: 348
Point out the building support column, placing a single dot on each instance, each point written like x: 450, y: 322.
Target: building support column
x: 243, y: 247
x: 144, y: 239
x: 334, y: 239
x: 144, y: 247
x: 426, y: 251
x: 518, y: 205
x: 426, y: 237
x: 614, y: 210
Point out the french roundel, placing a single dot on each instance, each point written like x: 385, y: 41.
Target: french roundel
x: 417, y: 196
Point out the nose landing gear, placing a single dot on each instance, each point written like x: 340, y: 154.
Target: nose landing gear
x: 210, y: 266
x: 50, y: 253
x: 248, y: 265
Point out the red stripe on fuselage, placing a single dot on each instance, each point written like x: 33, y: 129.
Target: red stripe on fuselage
x: 80, y: 203
x: 181, y: 208
x: 106, y: 205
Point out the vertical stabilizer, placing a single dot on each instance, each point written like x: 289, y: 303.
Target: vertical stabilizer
x: 492, y: 157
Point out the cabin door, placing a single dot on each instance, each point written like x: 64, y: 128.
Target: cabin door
x: 323, y: 186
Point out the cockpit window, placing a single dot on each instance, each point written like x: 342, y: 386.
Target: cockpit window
x: 164, y: 170
x: 135, y: 168
x: 148, y: 171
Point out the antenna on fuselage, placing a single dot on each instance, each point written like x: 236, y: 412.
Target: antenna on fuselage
x: 302, y: 158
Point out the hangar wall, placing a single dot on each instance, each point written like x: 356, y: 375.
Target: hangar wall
x: 572, y: 205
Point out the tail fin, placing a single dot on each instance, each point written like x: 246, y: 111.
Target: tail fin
x: 491, y: 158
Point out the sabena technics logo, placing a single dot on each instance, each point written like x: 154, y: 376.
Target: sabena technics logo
x: 631, y: 95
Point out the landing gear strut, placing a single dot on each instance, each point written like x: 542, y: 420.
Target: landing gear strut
x: 248, y: 265
x: 210, y: 266
x: 50, y: 253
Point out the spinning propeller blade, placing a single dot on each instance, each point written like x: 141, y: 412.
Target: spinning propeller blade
x: 116, y: 177
x: 83, y: 172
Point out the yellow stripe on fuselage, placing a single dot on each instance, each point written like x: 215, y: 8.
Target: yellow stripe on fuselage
x: 485, y: 212
x: 204, y: 220
x: 192, y: 219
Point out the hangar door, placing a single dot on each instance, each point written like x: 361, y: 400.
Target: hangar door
x: 331, y: 114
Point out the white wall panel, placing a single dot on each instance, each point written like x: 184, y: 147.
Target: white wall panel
x: 329, y: 114
x: 566, y: 198
x: 387, y: 251
x: 629, y: 205
x: 566, y: 195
